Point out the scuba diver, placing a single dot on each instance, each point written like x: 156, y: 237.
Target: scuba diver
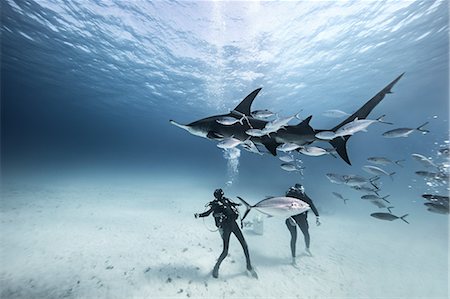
x: 225, y: 215
x: 298, y: 191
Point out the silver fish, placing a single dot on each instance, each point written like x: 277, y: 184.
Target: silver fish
x: 365, y: 189
x: 286, y: 158
x: 388, y: 216
x: 248, y: 145
x: 423, y: 160
x: 262, y: 113
x: 404, y: 132
x: 437, y: 208
x: 255, y: 132
x: 383, y: 161
x: 335, y: 113
x: 277, y: 124
x: 375, y: 197
x: 229, y: 142
x: 290, y: 167
x: 377, y: 171
x: 355, y: 180
x: 432, y: 175
x: 338, y: 195
x: 313, y: 151
x: 228, y: 120
x: 436, y: 198
x: 283, y: 207
x: 357, y: 125
x: 336, y: 178
x: 326, y: 135
x: 287, y: 147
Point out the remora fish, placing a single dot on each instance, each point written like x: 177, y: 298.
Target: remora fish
x: 388, y: 216
x: 404, y: 132
x: 283, y: 207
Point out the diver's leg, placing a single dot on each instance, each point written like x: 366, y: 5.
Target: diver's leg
x: 293, y: 230
x: 238, y: 233
x: 226, y: 241
x: 304, y: 227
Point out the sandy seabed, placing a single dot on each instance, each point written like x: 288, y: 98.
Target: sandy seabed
x: 76, y: 241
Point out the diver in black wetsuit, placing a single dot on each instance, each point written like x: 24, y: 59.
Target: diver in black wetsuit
x: 225, y: 214
x: 298, y: 191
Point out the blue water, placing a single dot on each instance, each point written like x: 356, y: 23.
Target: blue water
x: 88, y: 87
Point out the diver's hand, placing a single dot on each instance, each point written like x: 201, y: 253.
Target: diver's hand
x: 317, y: 221
x: 196, y: 215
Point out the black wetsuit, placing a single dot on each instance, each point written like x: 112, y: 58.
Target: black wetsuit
x: 300, y: 219
x: 225, y: 215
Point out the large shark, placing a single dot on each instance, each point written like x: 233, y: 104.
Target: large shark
x: 301, y: 134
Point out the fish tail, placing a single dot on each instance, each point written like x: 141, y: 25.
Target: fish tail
x: 398, y: 162
x: 421, y: 129
x: 248, y: 207
x: 391, y: 174
x: 384, y: 198
x: 380, y: 120
x: 389, y: 209
x: 372, y: 180
x: 403, y: 218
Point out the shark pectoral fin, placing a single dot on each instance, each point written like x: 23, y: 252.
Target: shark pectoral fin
x: 214, y: 135
x: 271, y: 145
x: 340, y: 145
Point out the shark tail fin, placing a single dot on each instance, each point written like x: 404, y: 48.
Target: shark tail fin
x: 340, y: 145
x: 421, y: 129
x: 361, y: 113
x: 384, y: 198
x: 403, y: 218
x: 248, y: 207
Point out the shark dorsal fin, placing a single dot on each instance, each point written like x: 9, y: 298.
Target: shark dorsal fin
x: 304, y: 122
x: 244, y: 106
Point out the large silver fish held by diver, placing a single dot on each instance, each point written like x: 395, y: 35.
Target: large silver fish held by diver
x: 283, y: 206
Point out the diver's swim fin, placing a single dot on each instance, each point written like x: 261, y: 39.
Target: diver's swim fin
x: 252, y: 273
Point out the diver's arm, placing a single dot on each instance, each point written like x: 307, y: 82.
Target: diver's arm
x: 204, y: 214
x: 313, y: 207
